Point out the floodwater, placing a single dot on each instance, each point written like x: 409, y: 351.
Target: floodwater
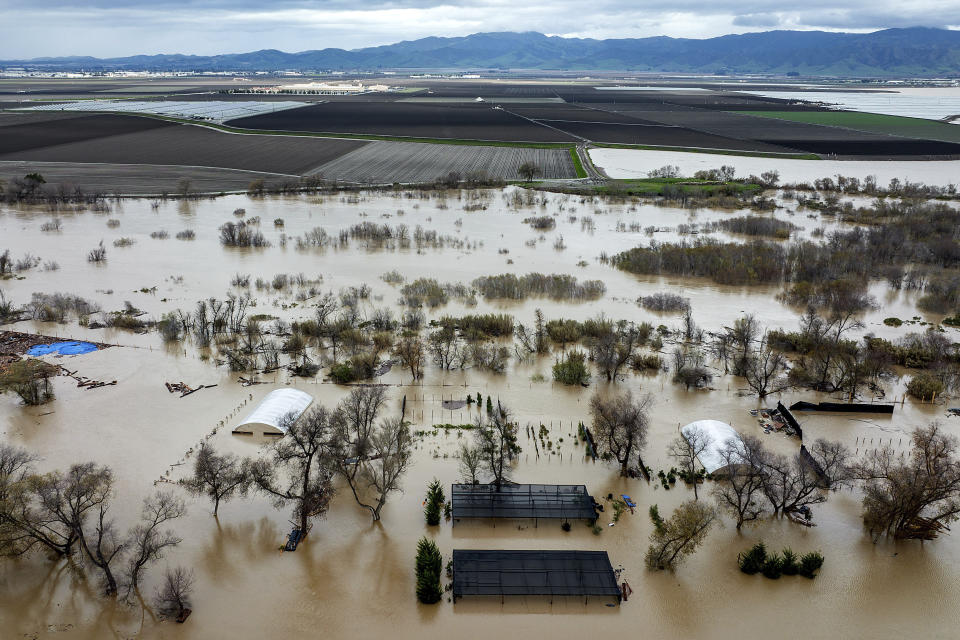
x: 352, y: 578
x: 636, y: 163
x: 932, y: 103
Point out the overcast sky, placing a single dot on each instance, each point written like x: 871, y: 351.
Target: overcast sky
x: 126, y: 27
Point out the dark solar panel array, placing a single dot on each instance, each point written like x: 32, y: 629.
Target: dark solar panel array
x: 542, y: 573
x: 522, y: 501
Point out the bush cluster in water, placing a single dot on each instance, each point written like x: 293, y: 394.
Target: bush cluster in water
x: 787, y: 563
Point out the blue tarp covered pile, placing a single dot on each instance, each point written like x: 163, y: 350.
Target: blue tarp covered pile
x: 69, y: 348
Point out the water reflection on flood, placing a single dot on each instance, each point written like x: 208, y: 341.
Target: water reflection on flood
x: 354, y: 578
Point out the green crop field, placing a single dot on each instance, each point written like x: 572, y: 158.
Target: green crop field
x: 870, y: 122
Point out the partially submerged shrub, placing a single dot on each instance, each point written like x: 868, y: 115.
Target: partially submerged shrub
x: 810, y: 563
x: 30, y: 380
x: 572, y: 368
x: 240, y: 235
x: 753, y: 560
x: 556, y: 286
x: 924, y: 386
x: 663, y: 301
x: 98, y: 254
x: 541, y: 223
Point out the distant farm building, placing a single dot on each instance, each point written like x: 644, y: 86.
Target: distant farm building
x: 270, y: 417
x: 318, y: 89
x: 718, y: 433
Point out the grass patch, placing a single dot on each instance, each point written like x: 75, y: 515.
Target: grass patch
x: 656, y: 186
x: 869, y: 122
x: 577, y: 164
x: 719, y: 152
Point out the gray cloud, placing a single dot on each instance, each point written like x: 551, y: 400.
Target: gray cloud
x: 126, y: 27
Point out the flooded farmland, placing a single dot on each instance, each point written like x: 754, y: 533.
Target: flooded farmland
x: 628, y: 163
x: 352, y: 577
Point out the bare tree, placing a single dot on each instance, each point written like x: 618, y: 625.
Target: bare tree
x: 216, y: 476
x: 446, y: 348
x: 100, y: 542
x: 614, y: 347
x: 301, y: 457
x: 620, y: 426
x: 764, y: 368
x: 686, y: 449
x: 791, y: 484
x: 674, y: 539
x: 528, y: 171
x: 370, y: 457
x: 914, y: 496
x: 496, y: 437
x: 471, y: 461
x: 743, y: 334
x: 18, y: 531
x: 411, y: 352
x: 147, y: 540
x: 390, y: 448
x: 740, y: 478
x: 173, y: 596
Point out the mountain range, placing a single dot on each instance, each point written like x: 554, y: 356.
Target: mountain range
x: 916, y: 51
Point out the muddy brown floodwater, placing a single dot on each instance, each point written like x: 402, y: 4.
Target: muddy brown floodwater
x: 351, y: 578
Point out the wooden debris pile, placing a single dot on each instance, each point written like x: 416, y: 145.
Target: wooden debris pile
x: 920, y: 528
x: 184, y: 389
x: 85, y: 382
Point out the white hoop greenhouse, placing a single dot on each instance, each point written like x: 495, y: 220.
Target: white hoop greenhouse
x: 719, y: 433
x: 269, y: 416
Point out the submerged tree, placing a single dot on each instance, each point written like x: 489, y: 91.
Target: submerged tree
x: 429, y: 564
x: 740, y: 479
x: 911, y: 496
x: 793, y: 483
x: 411, y: 352
x: 300, y: 458
x: 434, y: 503
x: 147, y: 540
x: 471, y: 462
x: 674, y: 539
x: 30, y: 380
x: 620, y: 426
x: 686, y: 449
x: 173, y: 596
x: 763, y: 369
x: 219, y: 477
x: 614, y: 345
x: 496, y: 439
x: 371, y: 457
x: 375, y: 474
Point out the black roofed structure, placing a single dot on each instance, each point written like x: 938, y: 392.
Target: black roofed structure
x: 561, y: 501
x: 533, y: 573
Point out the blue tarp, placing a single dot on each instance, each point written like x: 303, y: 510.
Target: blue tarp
x: 70, y: 348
